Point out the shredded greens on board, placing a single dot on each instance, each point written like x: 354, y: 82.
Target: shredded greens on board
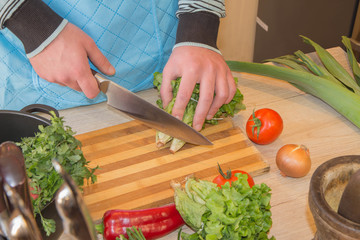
x: 55, y: 141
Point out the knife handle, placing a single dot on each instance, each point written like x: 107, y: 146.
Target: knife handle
x: 13, y: 172
x: 102, y: 82
x: 93, y: 71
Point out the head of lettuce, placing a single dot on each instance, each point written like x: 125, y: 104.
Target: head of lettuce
x: 230, y: 212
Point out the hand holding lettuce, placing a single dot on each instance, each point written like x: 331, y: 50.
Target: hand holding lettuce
x: 225, y: 110
x: 231, y: 212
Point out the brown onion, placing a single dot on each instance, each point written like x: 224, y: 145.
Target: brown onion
x: 293, y: 160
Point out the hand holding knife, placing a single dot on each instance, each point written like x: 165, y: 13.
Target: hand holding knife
x: 137, y: 108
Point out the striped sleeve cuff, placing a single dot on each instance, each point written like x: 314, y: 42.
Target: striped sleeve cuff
x: 35, y: 24
x: 8, y: 9
x: 200, y: 27
x: 216, y: 7
x: 48, y: 40
x: 194, y: 44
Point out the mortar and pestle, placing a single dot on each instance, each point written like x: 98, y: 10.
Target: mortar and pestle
x: 334, y: 199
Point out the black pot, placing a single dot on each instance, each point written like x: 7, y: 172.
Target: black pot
x: 15, y: 125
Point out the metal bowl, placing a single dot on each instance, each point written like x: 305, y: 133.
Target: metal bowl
x: 15, y: 125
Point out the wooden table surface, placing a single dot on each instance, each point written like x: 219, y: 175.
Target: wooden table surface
x: 307, y: 120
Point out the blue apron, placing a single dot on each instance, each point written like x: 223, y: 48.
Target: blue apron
x: 135, y: 35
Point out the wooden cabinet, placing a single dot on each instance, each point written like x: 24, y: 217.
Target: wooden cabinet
x: 237, y: 30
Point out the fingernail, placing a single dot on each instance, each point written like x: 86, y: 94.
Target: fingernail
x: 209, y: 117
x: 197, y: 127
x: 111, y: 70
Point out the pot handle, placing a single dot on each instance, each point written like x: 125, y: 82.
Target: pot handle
x: 40, y: 108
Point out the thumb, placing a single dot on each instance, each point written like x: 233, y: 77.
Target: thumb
x: 100, y: 61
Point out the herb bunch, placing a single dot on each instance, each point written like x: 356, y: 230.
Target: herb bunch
x: 55, y: 141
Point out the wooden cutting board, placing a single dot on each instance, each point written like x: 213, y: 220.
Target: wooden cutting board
x: 133, y: 173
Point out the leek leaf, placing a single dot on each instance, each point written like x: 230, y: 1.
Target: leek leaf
x: 341, y: 99
x: 287, y: 62
x: 333, y: 66
x: 316, y: 69
x: 352, y: 59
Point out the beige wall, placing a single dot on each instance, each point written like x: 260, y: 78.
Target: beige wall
x: 237, y: 30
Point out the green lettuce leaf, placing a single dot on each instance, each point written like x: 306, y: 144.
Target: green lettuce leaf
x: 236, y: 212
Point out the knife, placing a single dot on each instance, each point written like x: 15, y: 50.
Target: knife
x: 22, y: 224
x: 151, y: 115
x: 76, y: 220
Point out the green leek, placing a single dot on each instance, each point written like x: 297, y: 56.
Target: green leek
x: 352, y: 59
x: 333, y: 66
x: 316, y: 69
x: 287, y: 62
x: 342, y: 100
x: 329, y: 82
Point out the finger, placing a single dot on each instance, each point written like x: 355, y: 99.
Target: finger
x: 166, y: 88
x: 232, y: 87
x: 221, y: 94
x: 67, y: 81
x: 88, y: 84
x: 71, y: 84
x: 206, y: 97
x: 99, y: 60
x: 186, y: 88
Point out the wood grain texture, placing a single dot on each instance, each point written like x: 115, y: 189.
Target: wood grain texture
x: 135, y: 174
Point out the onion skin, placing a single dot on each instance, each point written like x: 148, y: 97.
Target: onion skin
x: 293, y: 160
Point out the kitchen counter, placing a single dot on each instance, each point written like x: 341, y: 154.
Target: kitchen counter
x: 307, y: 121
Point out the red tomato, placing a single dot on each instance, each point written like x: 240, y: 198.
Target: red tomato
x: 33, y: 195
x: 31, y: 189
x: 264, y: 126
x: 230, y: 177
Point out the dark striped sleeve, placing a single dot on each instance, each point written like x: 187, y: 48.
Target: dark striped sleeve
x: 216, y: 7
x: 199, y: 23
x: 7, y: 8
x: 35, y: 24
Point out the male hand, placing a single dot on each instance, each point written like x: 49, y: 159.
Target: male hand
x: 65, y: 61
x: 198, y: 65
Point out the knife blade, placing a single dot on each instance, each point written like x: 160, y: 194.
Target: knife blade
x: 129, y: 103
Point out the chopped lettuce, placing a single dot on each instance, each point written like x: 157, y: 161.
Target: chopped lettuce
x: 236, y: 212
x: 229, y: 109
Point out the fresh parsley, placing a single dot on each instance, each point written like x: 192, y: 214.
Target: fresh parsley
x: 55, y: 141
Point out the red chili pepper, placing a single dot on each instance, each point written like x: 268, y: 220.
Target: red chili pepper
x: 153, y: 222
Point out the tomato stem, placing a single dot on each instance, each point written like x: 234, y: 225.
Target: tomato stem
x: 225, y: 176
x: 257, y: 124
